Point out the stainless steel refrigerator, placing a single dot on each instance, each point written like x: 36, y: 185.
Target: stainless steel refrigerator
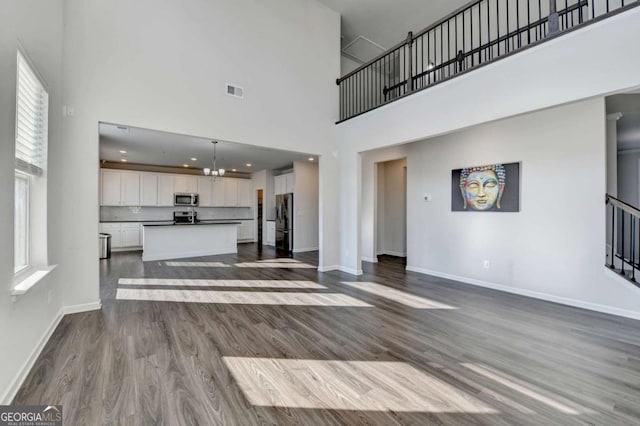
x: 284, y: 222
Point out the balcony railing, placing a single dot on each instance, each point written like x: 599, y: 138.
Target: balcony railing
x: 479, y: 33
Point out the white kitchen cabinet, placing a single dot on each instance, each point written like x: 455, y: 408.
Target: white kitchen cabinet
x: 110, y: 188
x: 245, y: 193
x: 131, y: 235
x: 149, y: 189
x: 230, y: 192
x: 186, y: 184
x: 271, y: 233
x: 120, y: 188
x: 130, y: 189
x: 280, y: 184
x: 113, y: 229
x: 123, y: 235
x: 289, y: 183
x: 205, y: 191
x: 217, y: 193
x: 165, y: 190
x: 245, y: 230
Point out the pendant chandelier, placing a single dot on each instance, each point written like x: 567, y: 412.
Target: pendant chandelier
x: 215, y: 172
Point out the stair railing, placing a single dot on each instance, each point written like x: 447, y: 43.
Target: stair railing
x: 623, y: 240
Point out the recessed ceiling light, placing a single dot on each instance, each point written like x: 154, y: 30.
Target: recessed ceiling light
x: 311, y: 158
x: 122, y: 151
x: 248, y: 164
x: 194, y: 159
x: 124, y: 160
x: 185, y: 165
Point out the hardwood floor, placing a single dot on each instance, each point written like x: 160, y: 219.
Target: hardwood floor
x: 408, y: 349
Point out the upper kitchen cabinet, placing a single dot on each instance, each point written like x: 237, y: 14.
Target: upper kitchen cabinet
x: 230, y: 192
x: 149, y: 189
x: 284, y: 184
x: 120, y: 188
x: 245, y: 193
x: 205, y: 191
x: 186, y: 184
x: 165, y: 190
x: 217, y: 193
x: 110, y: 194
x: 289, y: 183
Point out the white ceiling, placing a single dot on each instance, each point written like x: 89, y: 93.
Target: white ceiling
x: 156, y: 148
x: 387, y: 22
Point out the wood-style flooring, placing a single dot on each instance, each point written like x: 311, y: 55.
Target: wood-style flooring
x: 265, y: 345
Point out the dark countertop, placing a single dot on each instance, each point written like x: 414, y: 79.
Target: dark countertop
x: 168, y: 221
x: 200, y: 223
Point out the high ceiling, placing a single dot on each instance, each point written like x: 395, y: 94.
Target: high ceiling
x: 387, y: 22
x: 156, y: 148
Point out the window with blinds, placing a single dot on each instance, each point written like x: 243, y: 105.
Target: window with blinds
x: 32, y: 102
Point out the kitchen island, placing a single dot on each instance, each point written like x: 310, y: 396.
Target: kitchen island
x: 177, y: 241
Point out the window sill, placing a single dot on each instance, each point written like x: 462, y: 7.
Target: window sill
x: 25, y: 282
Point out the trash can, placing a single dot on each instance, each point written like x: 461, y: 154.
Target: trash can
x: 105, y: 246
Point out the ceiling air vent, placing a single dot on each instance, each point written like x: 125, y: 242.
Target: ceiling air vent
x: 235, y: 91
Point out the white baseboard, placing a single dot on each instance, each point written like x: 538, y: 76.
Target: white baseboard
x: 305, y: 250
x: 341, y: 269
x: 393, y: 253
x: 370, y: 259
x: 10, y: 394
x: 350, y: 270
x: 328, y: 268
x: 534, y: 294
x: 86, y: 307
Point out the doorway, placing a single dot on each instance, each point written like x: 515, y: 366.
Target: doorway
x: 259, y: 217
x: 391, y: 208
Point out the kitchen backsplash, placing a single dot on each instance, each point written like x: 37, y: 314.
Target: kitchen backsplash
x: 117, y: 214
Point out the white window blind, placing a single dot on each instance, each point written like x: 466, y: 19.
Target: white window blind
x: 31, y: 120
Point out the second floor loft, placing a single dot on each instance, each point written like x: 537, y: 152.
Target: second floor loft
x: 475, y: 35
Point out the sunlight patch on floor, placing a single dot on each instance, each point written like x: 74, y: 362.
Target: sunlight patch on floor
x: 348, y: 385
x: 398, y: 296
x: 220, y: 283
x: 241, y: 297
x: 288, y: 265
x: 199, y: 264
x: 511, y: 384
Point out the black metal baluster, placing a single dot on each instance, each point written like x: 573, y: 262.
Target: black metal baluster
x: 613, y: 235
x: 528, y: 21
x: 479, y: 34
x: 622, y: 239
x: 633, y: 247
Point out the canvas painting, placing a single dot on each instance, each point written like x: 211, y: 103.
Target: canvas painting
x: 490, y: 188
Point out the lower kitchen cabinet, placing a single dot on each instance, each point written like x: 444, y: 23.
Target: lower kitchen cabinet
x: 271, y: 233
x: 245, y: 230
x: 123, y: 235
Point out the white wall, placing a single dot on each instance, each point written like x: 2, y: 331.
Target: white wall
x: 25, y: 324
x: 628, y: 173
x: 306, y: 206
x: 169, y: 74
x: 554, y: 246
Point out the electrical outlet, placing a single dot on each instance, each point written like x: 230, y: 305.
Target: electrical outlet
x: 486, y: 264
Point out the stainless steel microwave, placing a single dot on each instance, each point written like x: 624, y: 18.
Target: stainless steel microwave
x: 189, y: 200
